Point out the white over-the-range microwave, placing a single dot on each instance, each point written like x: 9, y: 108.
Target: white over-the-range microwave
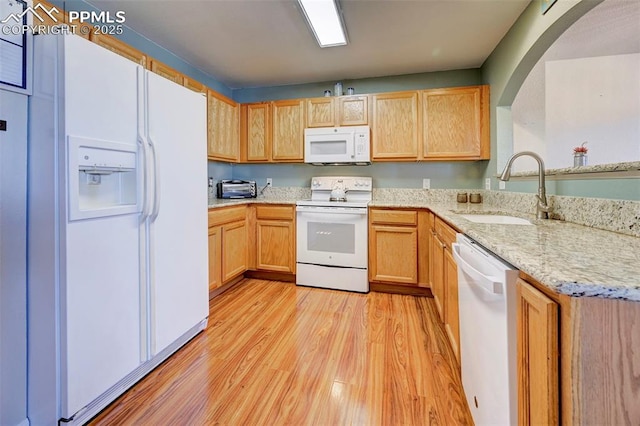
x: 337, y: 145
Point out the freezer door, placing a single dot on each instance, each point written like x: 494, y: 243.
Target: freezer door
x: 100, y: 301
x: 178, y: 245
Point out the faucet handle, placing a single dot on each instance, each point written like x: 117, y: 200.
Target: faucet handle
x: 542, y: 204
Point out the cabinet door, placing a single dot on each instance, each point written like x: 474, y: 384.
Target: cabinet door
x: 393, y: 254
x: 119, y: 47
x: 166, y: 71
x: 256, y: 132
x: 288, y: 131
x: 234, y: 250
x: 537, y: 325
x: 223, y: 127
x: 215, y: 258
x: 192, y: 84
x: 321, y: 112
x: 437, y: 268
x: 456, y: 123
x: 395, y: 126
x: 275, y: 246
x: 452, y: 321
x: 353, y: 111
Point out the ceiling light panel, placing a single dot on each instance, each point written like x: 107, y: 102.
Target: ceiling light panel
x: 325, y: 22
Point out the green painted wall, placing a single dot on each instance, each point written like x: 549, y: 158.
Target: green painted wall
x: 429, y: 80
x: 505, y: 70
x: 385, y: 175
x: 612, y: 188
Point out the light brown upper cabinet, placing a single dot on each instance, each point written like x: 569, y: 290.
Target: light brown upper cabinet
x: 288, y: 130
x: 194, y: 85
x: 321, y: 112
x: 56, y: 17
x: 337, y: 111
x: 165, y: 71
x: 255, y: 132
x: 395, y: 126
x: 119, y: 47
x: 455, y: 123
x: 353, y: 110
x: 223, y: 128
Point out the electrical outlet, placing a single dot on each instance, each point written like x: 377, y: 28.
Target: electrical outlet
x: 269, y: 182
x: 426, y: 183
x: 502, y: 184
x: 487, y: 183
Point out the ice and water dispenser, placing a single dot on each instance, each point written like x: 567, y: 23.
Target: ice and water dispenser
x: 103, y: 178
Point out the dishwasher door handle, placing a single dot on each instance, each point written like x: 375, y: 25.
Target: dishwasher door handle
x: 486, y: 283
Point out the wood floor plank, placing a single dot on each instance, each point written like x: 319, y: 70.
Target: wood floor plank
x: 275, y: 354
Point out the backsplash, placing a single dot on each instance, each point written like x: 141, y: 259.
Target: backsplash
x: 286, y: 193
x: 620, y: 216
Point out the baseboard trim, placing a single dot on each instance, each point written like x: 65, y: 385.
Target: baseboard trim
x: 271, y: 276
x: 400, y: 289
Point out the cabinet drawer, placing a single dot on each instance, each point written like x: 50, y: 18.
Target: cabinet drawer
x: 446, y: 233
x: 275, y: 212
x: 226, y: 215
x: 396, y: 217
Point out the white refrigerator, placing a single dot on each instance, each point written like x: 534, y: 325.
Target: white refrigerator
x: 117, y: 226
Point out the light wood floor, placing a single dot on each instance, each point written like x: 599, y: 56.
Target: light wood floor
x: 275, y: 354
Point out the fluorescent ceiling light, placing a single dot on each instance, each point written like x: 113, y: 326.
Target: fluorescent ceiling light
x: 325, y: 22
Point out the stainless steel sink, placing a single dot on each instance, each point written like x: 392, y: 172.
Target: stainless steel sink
x: 496, y: 218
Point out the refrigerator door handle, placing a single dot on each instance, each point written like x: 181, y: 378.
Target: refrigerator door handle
x: 156, y: 181
x: 145, y: 167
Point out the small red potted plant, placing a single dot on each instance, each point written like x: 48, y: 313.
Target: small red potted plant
x: 580, y: 155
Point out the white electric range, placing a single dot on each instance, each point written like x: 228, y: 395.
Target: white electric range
x: 332, y: 234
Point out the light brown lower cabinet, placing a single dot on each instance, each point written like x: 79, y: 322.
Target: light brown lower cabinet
x: 275, y: 238
x: 234, y: 249
x: 215, y: 257
x: 538, y: 358
x: 451, y: 312
x: 395, y: 247
x: 444, y: 280
x: 578, y: 358
x: 436, y: 257
x: 228, y: 248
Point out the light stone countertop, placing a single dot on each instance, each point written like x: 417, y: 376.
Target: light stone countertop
x: 569, y: 259
x: 216, y: 204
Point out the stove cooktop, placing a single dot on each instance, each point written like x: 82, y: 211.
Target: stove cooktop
x: 324, y: 189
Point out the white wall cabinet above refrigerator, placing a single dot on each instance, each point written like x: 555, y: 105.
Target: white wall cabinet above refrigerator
x: 117, y: 226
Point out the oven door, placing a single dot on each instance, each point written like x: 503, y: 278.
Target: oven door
x: 332, y: 236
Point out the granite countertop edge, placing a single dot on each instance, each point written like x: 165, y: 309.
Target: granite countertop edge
x: 548, y: 251
x: 219, y: 203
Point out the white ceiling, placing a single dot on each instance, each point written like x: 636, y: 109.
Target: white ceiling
x: 255, y: 43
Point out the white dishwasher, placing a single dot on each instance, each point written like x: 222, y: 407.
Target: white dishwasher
x: 487, y: 304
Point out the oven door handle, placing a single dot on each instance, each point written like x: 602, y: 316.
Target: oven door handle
x: 331, y: 210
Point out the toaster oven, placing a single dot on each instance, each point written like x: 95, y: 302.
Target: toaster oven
x: 236, y: 189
